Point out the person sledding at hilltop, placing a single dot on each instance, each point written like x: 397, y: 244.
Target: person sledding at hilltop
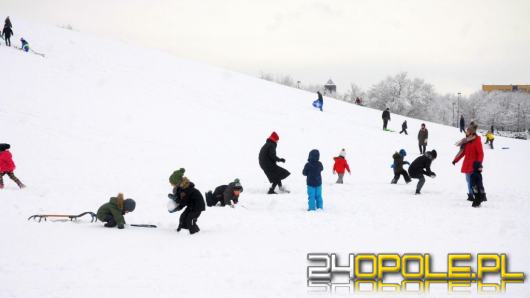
x: 112, y: 213
x: 477, y: 185
x: 471, y: 150
x: 7, y: 166
x: 386, y: 118
x: 185, y: 195
x: 312, y: 170
x: 422, y: 166
x: 398, y: 166
x: 225, y: 194
x: 341, y: 166
x: 489, y: 138
x: 319, y: 103
x: 267, y: 162
x: 7, y: 32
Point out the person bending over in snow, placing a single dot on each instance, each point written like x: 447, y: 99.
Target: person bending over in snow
x: 24, y: 45
x: 186, y: 195
x: 112, y: 212
x: 404, y: 128
x: 313, y: 169
x: 268, y: 160
x: 422, y: 166
x: 489, y: 138
x: 476, y: 184
x: 7, y: 166
x: 398, y: 166
x: 341, y: 166
x: 225, y: 194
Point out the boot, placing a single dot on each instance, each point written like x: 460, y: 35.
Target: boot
x: 484, y: 199
x: 476, y: 202
x: 271, y: 192
x: 394, y: 181
x: 470, y: 197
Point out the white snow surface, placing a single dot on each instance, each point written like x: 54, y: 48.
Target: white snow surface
x: 96, y: 117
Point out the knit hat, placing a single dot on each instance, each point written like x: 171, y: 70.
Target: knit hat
x: 237, y: 185
x: 434, y: 154
x: 184, y: 183
x: 129, y: 205
x: 4, y: 147
x: 274, y: 137
x: 473, y: 126
x: 175, y: 178
x: 342, y: 152
x: 402, y: 152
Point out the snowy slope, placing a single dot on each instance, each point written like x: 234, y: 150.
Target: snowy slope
x: 98, y: 117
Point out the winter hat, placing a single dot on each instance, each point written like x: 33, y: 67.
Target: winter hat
x: 402, y: 152
x: 473, y: 126
x: 175, y: 178
x: 184, y: 182
x: 434, y: 154
x: 129, y: 205
x: 342, y: 152
x: 314, y: 155
x: 274, y: 137
x: 237, y: 185
x: 4, y: 147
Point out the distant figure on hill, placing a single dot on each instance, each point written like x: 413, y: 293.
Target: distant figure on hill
x: 319, y: 103
x: 268, y: 160
x: 404, y: 127
x: 112, y: 213
x: 7, y: 166
x: 422, y: 166
x: 7, y: 33
x: 386, y: 118
x: 341, y: 166
x: 462, y: 124
x: 358, y: 101
x: 423, y: 136
x: 8, y: 23
x: 225, y: 194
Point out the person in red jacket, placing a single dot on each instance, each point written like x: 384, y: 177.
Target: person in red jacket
x: 340, y: 166
x: 7, y: 166
x: 471, y: 150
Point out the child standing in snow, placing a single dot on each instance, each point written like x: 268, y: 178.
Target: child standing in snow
x: 398, y: 166
x: 340, y: 166
x: 313, y: 169
x: 479, y: 194
x: 7, y: 166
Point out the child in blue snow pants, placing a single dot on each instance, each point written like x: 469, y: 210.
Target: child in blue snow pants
x: 313, y: 169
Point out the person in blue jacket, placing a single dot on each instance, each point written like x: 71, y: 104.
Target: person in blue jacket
x: 319, y: 103
x: 313, y: 169
x: 25, y: 45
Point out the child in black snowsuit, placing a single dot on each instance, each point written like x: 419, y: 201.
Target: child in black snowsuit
x: 422, y: 166
x: 398, y: 166
x: 479, y: 195
x: 186, y: 195
x: 404, y: 127
x: 225, y: 194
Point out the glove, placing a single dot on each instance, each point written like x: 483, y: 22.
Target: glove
x: 454, y: 162
x: 281, y: 160
x: 433, y: 175
x: 120, y: 227
x: 406, y: 163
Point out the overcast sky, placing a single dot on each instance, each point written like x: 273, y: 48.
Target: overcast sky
x: 455, y: 45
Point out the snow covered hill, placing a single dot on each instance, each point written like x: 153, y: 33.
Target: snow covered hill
x: 98, y: 117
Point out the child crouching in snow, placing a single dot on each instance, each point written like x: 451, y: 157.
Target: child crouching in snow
x: 112, y: 212
x: 313, y: 169
x: 340, y: 166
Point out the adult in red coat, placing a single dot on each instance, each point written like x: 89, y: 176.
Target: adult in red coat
x: 7, y: 166
x: 471, y: 150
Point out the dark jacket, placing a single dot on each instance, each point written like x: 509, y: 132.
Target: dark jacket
x: 421, y: 165
x: 192, y: 199
x: 476, y: 179
x: 7, y: 32
x: 386, y: 115
x: 398, y: 162
x: 423, y: 135
x: 225, y: 194
x: 462, y: 122
x: 8, y: 23
x: 113, y: 208
x: 313, y: 169
x: 268, y: 160
x: 404, y: 125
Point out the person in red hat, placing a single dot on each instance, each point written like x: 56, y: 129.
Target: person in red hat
x: 268, y: 160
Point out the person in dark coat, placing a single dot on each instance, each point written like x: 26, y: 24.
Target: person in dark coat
x: 477, y: 185
x: 386, y: 118
x: 462, y: 124
x: 404, y: 127
x: 188, y: 196
x: 398, y: 166
x: 112, y: 212
x: 8, y: 23
x: 225, y: 194
x: 7, y: 32
x: 422, y: 166
x: 423, y: 135
x: 268, y: 160
x: 312, y: 170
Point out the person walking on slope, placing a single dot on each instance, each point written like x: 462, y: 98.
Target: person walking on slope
x: 7, y: 166
x: 462, y: 124
x: 489, y: 139
x: 476, y: 185
x: 225, y: 194
x: 398, y: 166
x: 386, y: 118
x: 422, y: 166
x: 186, y: 195
x: 471, y: 149
x: 7, y: 33
x: 423, y: 136
x: 340, y: 166
x: 404, y: 127
x: 312, y: 170
x: 267, y: 162
x: 319, y: 103
x: 112, y: 213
